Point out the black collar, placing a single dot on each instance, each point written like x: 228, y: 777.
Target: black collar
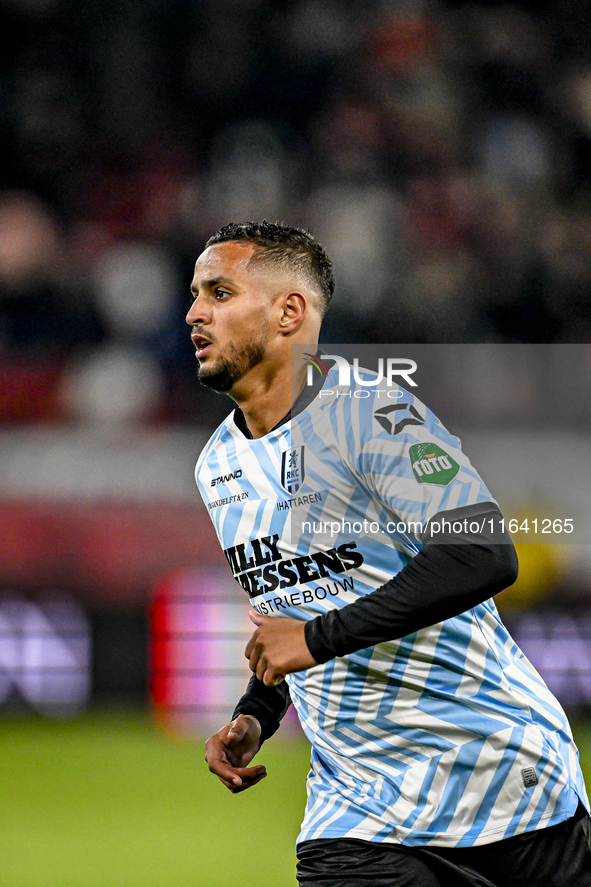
x: 308, y: 394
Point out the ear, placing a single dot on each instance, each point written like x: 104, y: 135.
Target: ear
x: 294, y: 308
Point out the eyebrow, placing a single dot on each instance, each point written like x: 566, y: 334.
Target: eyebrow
x: 213, y: 282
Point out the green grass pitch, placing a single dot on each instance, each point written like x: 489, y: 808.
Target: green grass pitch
x: 108, y: 801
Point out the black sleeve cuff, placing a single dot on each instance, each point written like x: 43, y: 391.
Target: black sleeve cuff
x: 267, y: 704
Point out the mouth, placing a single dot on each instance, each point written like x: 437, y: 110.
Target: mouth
x: 202, y: 346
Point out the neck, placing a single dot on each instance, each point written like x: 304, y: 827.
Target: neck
x: 268, y: 395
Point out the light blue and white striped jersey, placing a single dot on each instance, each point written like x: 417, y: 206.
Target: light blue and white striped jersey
x: 446, y: 737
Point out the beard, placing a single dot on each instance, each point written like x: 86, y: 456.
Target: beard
x: 231, y: 367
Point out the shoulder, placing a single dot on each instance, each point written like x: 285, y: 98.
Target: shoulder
x: 364, y: 406
x: 221, y: 438
x: 380, y: 423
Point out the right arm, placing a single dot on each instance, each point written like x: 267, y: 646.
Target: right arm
x: 267, y: 704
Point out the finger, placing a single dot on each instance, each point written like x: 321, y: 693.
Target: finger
x: 235, y: 789
x: 244, y: 777
x: 256, y: 655
x: 272, y: 677
x: 251, y: 642
x: 247, y: 774
x: 256, y: 617
x: 228, y: 775
x: 261, y: 668
x: 271, y: 681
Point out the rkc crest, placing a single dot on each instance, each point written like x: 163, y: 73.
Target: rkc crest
x: 292, y: 469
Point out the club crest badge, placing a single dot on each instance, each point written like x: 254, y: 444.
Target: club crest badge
x: 292, y: 469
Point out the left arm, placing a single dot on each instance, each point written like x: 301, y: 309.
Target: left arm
x: 446, y: 578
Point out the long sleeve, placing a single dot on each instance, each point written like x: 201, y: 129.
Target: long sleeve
x: 451, y: 574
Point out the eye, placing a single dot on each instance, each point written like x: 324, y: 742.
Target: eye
x: 220, y: 293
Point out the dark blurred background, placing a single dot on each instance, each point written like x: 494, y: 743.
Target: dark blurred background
x: 441, y: 152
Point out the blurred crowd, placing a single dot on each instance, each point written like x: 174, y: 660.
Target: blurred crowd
x: 441, y: 152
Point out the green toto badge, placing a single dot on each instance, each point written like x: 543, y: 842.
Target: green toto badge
x: 432, y: 465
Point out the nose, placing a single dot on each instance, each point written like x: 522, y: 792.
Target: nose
x: 197, y: 313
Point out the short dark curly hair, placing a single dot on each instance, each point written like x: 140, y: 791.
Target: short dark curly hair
x: 287, y: 247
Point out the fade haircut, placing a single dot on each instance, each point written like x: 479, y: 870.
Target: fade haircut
x: 284, y: 246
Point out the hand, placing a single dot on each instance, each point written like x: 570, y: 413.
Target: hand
x: 229, y: 750
x: 277, y: 647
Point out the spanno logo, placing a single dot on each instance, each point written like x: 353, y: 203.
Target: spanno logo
x: 224, y: 478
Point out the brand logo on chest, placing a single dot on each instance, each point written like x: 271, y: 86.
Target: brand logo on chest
x: 224, y: 478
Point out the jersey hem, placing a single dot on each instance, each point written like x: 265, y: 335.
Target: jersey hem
x: 424, y: 839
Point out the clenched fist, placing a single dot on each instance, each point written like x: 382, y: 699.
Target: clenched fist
x: 276, y: 648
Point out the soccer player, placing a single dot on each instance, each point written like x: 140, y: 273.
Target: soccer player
x: 370, y: 549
